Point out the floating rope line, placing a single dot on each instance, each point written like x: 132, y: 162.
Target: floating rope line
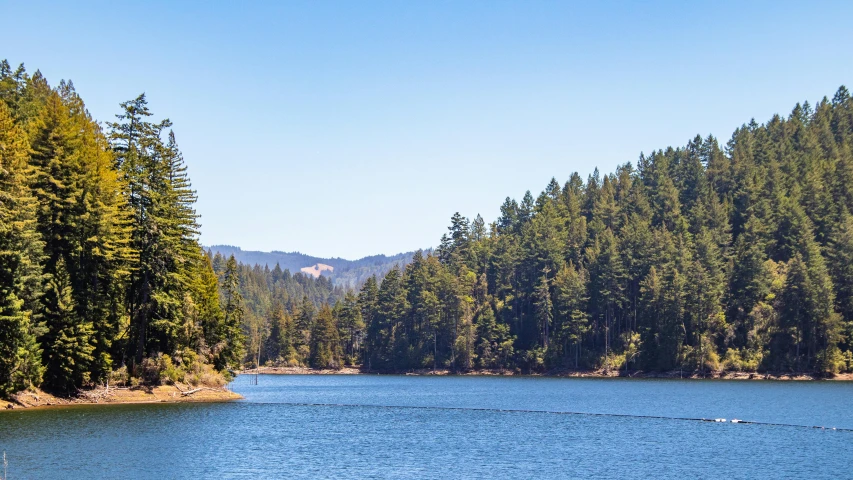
x: 553, y: 412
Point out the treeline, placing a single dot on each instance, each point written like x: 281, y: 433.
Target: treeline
x: 704, y: 257
x: 100, y: 265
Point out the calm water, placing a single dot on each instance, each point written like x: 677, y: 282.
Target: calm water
x: 448, y: 427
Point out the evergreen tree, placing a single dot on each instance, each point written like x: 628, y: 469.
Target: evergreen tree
x: 137, y: 146
x: 544, y: 307
x: 840, y: 256
x: 82, y: 219
x: 68, y: 351
x: 277, y: 344
x: 572, y: 321
x: 20, y: 254
x: 230, y: 333
x: 325, y: 343
x: 351, y: 325
x: 203, y: 315
x: 304, y: 324
x: 101, y: 258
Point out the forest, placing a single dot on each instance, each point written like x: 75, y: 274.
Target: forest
x: 102, y: 277
x: 733, y: 256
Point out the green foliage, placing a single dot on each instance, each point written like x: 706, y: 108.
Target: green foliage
x: 184, y: 368
x: 67, y: 340
x: 350, y: 326
x: 325, y: 343
x: 20, y: 254
x: 230, y: 337
x: 98, y: 239
x: 700, y: 258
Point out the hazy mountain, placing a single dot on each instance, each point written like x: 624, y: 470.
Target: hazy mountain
x: 348, y: 273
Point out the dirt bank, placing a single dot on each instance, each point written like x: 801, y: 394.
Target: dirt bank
x: 35, y: 398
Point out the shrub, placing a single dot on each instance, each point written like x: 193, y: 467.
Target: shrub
x: 831, y: 361
x: 707, y: 359
x: 612, y: 361
x: 533, y: 360
x: 185, y: 367
x: 743, y: 360
x: 119, y: 376
x: 169, y: 372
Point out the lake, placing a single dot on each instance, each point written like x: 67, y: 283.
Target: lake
x: 366, y: 426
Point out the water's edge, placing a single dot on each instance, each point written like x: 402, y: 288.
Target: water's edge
x: 674, y: 374
x: 37, y: 399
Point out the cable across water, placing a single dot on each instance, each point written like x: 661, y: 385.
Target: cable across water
x: 556, y: 412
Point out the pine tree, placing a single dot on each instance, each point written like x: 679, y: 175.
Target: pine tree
x: 164, y: 227
x: 137, y: 146
x: 231, y: 337
x: 607, y: 284
x: 391, y: 306
x: 367, y: 301
x: 351, y: 325
x: 705, y: 289
x: 20, y: 253
x: 749, y: 281
x: 82, y: 218
x: 325, y: 343
x: 203, y: 317
x: 67, y: 341
x: 495, y: 346
x: 276, y: 345
x: 840, y: 260
x: 544, y: 307
x: 179, y: 251
x: 303, y: 325
x: 571, y: 322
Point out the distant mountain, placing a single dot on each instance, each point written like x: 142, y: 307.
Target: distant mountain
x: 342, y: 272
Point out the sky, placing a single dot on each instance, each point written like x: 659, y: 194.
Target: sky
x: 346, y: 129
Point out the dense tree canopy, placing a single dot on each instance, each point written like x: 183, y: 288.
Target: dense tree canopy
x: 100, y: 265
x: 702, y: 257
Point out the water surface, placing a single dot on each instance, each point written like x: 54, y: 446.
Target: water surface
x: 364, y: 426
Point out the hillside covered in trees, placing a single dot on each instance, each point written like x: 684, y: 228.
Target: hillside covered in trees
x: 275, y: 292
x: 102, y: 277
x: 735, y: 256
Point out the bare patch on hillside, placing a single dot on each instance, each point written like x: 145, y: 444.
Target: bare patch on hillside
x: 317, y: 269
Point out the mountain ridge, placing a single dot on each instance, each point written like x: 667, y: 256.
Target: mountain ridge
x: 343, y: 272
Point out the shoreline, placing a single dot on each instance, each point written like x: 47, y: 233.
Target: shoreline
x: 38, y: 399
x: 711, y: 375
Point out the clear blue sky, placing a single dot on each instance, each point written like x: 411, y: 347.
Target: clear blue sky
x: 354, y: 128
